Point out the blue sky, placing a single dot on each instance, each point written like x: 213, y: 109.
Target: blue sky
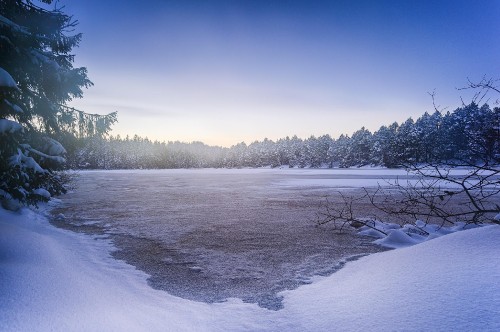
x: 223, y: 72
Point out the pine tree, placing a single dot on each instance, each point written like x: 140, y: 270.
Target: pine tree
x: 37, y: 80
x: 406, y: 144
x: 342, y: 147
x: 427, y: 129
x: 360, y: 148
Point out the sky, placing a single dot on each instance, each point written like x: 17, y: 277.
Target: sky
x: 223, y: 72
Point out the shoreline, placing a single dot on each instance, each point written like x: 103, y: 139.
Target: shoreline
x: 57, y: 280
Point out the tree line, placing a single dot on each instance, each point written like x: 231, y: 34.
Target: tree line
x: 468, y: 133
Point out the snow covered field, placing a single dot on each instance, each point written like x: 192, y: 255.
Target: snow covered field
x: 56, y: 280
x: 53, y: 279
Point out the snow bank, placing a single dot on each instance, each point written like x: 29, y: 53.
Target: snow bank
x: 395, y: 236
x: 55, y: 280
x: 447, y: 284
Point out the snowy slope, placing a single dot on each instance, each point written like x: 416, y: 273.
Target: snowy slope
x: 55, y: 280
x: 447, y: 284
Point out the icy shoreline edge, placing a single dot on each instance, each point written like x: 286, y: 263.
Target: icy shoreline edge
x: 52, y: 279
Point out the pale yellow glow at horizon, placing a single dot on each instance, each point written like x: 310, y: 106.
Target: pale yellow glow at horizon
x: 225, y: 111
x: 229, y: 124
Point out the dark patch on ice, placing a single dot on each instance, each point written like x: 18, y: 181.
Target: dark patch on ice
x: 209, y: 275
x: 210, y: 237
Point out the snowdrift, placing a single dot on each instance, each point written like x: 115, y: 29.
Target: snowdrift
x: 56, y: 280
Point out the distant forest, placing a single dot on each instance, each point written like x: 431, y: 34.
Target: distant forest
x: 470, y: 133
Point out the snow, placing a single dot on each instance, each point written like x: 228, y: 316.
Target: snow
x: 57, y: 159
x: 370, y: 178
x: 341, y: 183
x: 9, y: 126
x: 24, y: 161
x: 6, y: 81
x: 55, y: 280
x: 42, y: 192
x: 397, y: 236
x: 448, y: 284
x: 53, y: 147
x: 5, y: 21
x: 14, y: 107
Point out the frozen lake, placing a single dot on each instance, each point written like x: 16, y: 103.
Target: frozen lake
x: 209, y: 235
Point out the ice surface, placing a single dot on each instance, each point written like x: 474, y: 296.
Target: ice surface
x: 209, y: 235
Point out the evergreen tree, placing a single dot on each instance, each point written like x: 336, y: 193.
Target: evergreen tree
x: 283, y: 151
x: 406, y: 144
x: 294, y: 152
x: 448, y: 148
x: 429, y: 139
x: 359, y: 150
x: 383, y: 151
x: 313, y: 154
x: 37, y: 80
x: 494, y: 136
x: 473, y: 133
x: 325, y: 153
x: 342, y: 147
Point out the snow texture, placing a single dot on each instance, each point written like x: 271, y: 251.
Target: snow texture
x: 9, y: 126
x: 53, y: 147
x: 55, y: 280
x: 57, y: 159
x: 5, y: 21
x: 397, y: 238
x: 42, y: 192
x: 20, y: 159
x: 14, y: 107
x: 408, y: 235
x: 6, y: 81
